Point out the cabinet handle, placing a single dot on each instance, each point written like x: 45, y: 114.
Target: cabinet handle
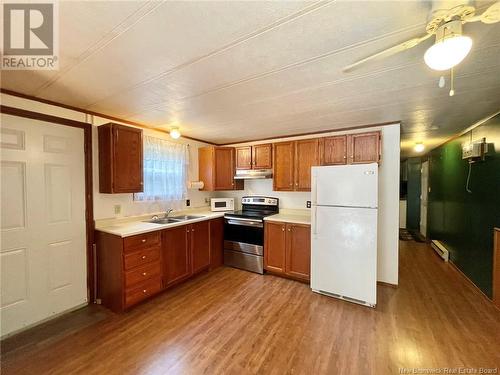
x: 143, y: 257
x: 144, y: 291
x: 187, y: 230
x: 289, y: 229
x: 144, y: 274
x: 282, y: 229
x: 144, y: 240
x: 192, y: 230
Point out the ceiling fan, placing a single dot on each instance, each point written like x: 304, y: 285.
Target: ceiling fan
x: 446, y: 21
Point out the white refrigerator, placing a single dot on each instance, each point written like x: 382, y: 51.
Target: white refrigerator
x: 344, y: 232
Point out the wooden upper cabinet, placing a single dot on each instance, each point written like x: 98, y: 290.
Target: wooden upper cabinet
x: 254, y: 157
x: 298, y: 251
x: 364, y: 148
x: 224, y: 168
x: 275, y: 247
x: 217, y: 168
x: 120, y: 159
x: 306, y: 156
x: 292, y: 164
x: 284, y: 166
x: 244, y: 157
x: 334, y: 150
x: 262, y: 156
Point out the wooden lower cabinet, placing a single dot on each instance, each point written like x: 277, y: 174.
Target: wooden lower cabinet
x: 200, y: 246
x: 287, y: 250
x: 128, y: 269
x: 132, y: 269
x: 175, y: 255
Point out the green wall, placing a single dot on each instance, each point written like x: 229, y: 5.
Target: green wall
x: 414, y: 166
x: 464, y: 221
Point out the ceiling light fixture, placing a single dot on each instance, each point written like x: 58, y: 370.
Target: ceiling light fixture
x: 450, y: 48
x: 175, y: 132
x: 419, y: 147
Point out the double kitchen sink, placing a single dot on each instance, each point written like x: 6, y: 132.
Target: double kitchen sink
x: 173, y: 219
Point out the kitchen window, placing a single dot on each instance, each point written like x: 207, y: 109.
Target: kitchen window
x: 165, y: 170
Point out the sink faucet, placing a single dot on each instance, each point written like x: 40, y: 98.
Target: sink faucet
x: 168, y: 212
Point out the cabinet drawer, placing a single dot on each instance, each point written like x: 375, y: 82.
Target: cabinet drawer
x: 141, y: 257
x: 141, y: 241
x: 142, y: 291
x: 141, y: 274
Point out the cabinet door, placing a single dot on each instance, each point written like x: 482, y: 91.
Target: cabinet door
x: 335, y: 150
x: 274, y: 250
x: 200, y: 246
x: 283, y: 162
x: 216, y: 242
x: 306, y: 156
x: 224, y: 168
x: 262, y: 156
x: 127, y: 159
x: 364, y: 148
x: 298, y: 251
x: 175, y: 255
x: 244, y: 157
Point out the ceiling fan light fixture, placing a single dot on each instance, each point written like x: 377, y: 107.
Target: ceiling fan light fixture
x: 447, y: 53
x: 175, y: 133
x: 450, y: 48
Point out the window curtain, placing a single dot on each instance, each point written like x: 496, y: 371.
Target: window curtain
x: 165, y: 170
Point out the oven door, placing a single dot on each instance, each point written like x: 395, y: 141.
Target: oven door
x: 244, y: 232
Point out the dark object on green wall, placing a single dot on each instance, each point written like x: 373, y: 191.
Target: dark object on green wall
x: 414, y: 166
x: 464, y: 221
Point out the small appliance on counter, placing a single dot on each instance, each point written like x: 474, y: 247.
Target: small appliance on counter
x: 244, y: 233
x: 222, y: 204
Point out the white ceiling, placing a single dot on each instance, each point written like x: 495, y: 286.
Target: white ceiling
x: 232, y: 71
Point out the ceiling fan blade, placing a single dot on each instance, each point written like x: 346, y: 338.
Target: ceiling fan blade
x: 389, y: 52
x: 490, y: 15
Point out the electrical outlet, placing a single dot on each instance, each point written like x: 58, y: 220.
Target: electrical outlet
x: 188, y: 202
x: 118, y: 209
x: 207, y: 200
x: 308, y: 204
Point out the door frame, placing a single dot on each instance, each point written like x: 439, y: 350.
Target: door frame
x: 89, y: 199
x: 424, y: 168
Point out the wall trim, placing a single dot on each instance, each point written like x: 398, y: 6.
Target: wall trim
x: 383, y: 283
x: 89, y: 197
x: 92, y: 113
x: 471, y: 283
x: 319, y: 132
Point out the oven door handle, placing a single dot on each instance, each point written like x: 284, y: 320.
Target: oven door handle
x: 246, y: 223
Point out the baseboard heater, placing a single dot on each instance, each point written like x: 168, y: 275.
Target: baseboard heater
x: 440, y: 249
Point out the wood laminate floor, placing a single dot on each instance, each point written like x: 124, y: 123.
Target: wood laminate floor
x: 235, y: 322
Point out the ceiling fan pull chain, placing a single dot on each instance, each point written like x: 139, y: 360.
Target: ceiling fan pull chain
x: 452, y: 90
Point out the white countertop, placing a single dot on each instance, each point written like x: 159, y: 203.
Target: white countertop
x: 291, y: 216
x: 130, y: 227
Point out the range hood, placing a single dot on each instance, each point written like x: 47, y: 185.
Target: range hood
x: 253, y: 174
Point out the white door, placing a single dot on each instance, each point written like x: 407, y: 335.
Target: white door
x: 344, y: 252
x: 345, y: 185
x: 43, y: 257
x: 424, y: 185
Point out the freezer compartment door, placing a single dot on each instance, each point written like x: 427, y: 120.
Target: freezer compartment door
x: 345, y: 185
x: 344, y: 252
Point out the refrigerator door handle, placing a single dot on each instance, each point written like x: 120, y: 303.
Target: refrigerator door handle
x: 315, y: 220
x: 314, y: 189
